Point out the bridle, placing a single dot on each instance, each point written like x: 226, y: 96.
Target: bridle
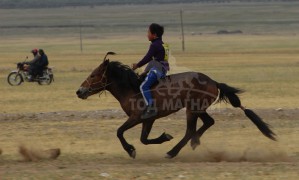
x: 102, y: 85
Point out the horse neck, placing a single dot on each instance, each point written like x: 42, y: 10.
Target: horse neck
x: 121, y: 95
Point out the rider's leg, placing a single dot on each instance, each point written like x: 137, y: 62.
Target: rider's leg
x: 145, y: 89
x: 30, y: 73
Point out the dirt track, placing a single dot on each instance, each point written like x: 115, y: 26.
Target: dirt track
x: 232, y: 149
x: 218, y: 114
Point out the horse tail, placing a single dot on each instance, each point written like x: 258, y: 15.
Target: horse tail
x: 229, y: 94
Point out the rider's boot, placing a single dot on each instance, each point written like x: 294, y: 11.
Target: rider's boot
x: 150, y: 111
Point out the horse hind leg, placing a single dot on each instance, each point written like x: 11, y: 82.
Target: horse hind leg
x: 208, y: 121
x: 190, y: 131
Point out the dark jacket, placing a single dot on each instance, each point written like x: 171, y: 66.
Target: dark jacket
x: 158, y: 51
x: 43, y: 60
x: 37, y: 64
x: 34, y: 61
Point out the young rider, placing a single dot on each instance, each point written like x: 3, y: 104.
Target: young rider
x: 157, y: 59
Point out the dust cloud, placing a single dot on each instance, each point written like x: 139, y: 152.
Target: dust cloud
x: 266, y: 153
x: 250, y: 154
x: 36, y: 154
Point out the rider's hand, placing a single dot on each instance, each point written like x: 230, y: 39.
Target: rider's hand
x: 134, y: 66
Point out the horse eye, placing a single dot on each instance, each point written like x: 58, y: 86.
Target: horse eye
x: 92, y: 76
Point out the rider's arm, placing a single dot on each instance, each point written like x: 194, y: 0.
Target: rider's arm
x: 34, y: 60
x: 149, y: 55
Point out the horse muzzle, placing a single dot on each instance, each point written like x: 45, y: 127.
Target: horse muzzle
x: 83, y: 92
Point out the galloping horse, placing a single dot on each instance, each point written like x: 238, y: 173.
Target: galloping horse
x: 191, y: 90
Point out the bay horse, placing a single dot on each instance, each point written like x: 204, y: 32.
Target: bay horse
x: 191, y: 90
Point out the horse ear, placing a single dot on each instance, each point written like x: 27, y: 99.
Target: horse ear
x: 109, y: 53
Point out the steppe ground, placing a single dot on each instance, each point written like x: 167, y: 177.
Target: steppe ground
x: 263, y: 60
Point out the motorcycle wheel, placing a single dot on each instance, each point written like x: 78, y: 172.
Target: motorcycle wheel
x: 14, y: 79
x: 46, y: 81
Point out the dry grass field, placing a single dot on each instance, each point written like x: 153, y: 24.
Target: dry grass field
x: 263, y: 61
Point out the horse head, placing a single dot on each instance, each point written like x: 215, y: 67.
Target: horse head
x: 96, y: 82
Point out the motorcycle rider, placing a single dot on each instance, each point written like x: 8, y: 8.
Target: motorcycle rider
x: 32, y: 66
x: 39, y: 62
x: 43, y: 59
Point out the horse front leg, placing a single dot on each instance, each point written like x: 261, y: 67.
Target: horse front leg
x: 146, y: 129
x: 131, y: 122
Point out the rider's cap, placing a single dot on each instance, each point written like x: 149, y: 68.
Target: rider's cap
x: 34, y: 51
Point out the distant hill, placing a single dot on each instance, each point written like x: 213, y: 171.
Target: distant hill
x: 62, y: 3
x: 11, y: 4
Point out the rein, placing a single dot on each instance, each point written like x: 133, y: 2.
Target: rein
x: 103, y: 85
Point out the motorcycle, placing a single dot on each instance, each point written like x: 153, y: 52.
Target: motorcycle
x: 17, y: 77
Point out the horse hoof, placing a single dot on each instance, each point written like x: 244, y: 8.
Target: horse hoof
x: 167, y: 156
x: 168, y: 136
x: 133, y: 154
x: 194, y: 144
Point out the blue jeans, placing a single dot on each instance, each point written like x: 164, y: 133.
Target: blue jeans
x: 152, y: 77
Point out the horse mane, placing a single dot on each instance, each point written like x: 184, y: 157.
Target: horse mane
x: 124, y: 76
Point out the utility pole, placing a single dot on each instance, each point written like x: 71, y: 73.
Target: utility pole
x: 182, y: 28
x: 81, y: 46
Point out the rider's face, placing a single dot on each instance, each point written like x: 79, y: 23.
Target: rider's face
x: 151, y: 36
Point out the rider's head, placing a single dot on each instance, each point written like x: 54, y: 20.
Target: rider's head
x: 41, y: 51
x: 155, y: 31
x: 34, y: 52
